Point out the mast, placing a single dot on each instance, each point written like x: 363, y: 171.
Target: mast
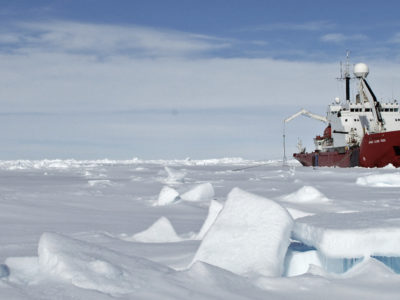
x: 347, y: 76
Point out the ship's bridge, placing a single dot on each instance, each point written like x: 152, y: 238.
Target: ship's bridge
x: 351, y: 121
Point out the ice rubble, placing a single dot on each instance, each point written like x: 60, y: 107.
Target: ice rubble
x: 201, y: 192
x: 249, y: 237
x: 213, y: 211
x: 380, y: 180
x: 161, y: 231
x: 167, y: 196
x: 174, y: 176
x: 306, y: 194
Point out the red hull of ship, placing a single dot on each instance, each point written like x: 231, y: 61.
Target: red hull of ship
x: 376, y: 150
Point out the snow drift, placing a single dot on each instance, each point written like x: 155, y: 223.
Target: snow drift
x: 90, y: 267
x: 306, y: 194
x: 249, y: 237
x: 161, y: 231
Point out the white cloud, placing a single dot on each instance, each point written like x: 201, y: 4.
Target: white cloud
x: 110, y: 39
x: 340, y: 37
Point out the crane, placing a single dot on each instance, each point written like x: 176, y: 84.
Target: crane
x: 299, y: 113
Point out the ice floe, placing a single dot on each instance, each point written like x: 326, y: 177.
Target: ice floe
x: 351, y: 235
x: 249, y: 237
x: 380, y: 180
x: 201, y: 192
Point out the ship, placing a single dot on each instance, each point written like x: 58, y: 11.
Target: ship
x: 364, y: 132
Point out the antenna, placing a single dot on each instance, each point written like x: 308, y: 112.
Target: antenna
x: 284, y: 144
x: 347, y: 72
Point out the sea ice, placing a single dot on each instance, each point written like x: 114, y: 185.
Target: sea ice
x: 167, y: 196
x: 306, y: 194
x: 380, y: 180
x: 213, y: 211
x: 352, y: 235
x: 201, y: 192
x: 249, y: 237
x: 161, y: 231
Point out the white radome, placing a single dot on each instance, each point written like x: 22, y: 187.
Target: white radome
x: 361, y: 70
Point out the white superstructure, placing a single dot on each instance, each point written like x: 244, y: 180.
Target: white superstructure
x: 348, y: 121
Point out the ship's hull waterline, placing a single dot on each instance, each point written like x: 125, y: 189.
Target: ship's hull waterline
x: 376, y: 150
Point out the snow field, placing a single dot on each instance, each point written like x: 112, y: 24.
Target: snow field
x: 250, y: 236
x: 242, y: 233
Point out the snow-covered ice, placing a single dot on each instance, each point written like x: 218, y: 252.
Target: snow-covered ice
x: 213, y: 211
x: 352, y: 235
x: 167, y: 196
x: 380, y: 180
x: 174, y: 176
x: 249, y: 237
x: 201, y: 192
x: 306, y: 194
x: 104, y: 229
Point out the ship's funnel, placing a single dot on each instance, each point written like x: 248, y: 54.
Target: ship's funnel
x: 361, y: 70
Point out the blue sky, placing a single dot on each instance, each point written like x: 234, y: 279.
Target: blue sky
x: 176, y: 79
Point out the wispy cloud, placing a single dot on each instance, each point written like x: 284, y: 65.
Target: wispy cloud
x: 340, y: 37
x: 107, y: 39
x: 306, y: 26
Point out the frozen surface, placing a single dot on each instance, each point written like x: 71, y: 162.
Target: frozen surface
x: 249, y: 237
x: 93, y: 208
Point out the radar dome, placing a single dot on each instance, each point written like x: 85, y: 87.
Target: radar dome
x: 361, y: 70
